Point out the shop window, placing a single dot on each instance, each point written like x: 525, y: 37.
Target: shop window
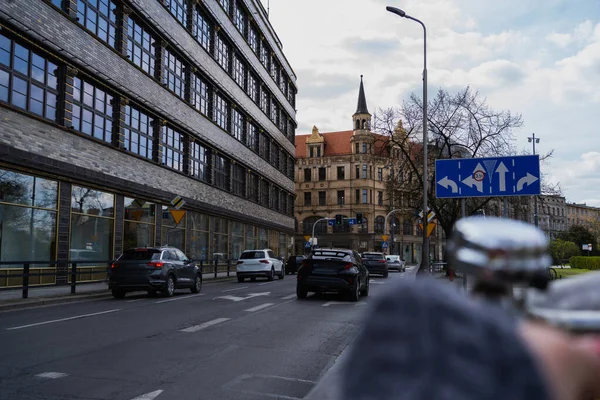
x: 251, y: 237
x: 237, y: 239
x: 220, y: 238
x: 139, y: 225
x: 92, y: 110
x: 172, y: 233
x: 99, y: 17
x: 199, y: 223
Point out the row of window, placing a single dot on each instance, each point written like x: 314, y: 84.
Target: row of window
x: 407, y: 227
x: 28, y: 80
x: 150, y: 53
x: 361, y: 196
x: 363, y: 171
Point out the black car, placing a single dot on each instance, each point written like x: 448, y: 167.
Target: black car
x: 293, y: 263
x: 333, y: 270
x: 153, y: 269
x: 376, y: 263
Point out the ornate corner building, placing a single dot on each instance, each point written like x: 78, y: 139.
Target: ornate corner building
x: 355, y: 172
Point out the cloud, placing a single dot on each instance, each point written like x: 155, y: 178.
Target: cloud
x: 560, y: 39
x: 316, y: 85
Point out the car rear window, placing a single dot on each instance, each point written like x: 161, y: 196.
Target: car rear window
x: 323, y: 255
x: 373, y: 256
x: 249, y: 255
x: 140, y: 255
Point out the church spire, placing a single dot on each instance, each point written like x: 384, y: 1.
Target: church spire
x: 361, y: 108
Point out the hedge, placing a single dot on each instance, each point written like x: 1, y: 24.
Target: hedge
x: 591, y: 263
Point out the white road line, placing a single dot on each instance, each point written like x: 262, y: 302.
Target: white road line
x: 179, y: 298
x: 265, y: 283
x: 330, y: 303
x: 148, y: 396
x: 62, y: 319
x: 376, y: 282
x: 205, y: 325
x: 362, y: 303
x: 257, y: 308
x: 291, y: 296
x: 231, y: 290
x: 133, y: 301
x: 52, y: 375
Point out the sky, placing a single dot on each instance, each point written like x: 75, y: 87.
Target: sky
x: 540, y: 59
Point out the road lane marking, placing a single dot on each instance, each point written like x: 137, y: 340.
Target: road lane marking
x: 362, y: 303
x: 265, y: 283
x: 148, y: 396
x: 331, y: 303
x: 204, y: 325
x: 239, y: 288
x: 237, y: 298
x: 133, y: 301
x: 258, y: 308
x: 52, y: 375
x: 179, y: 298
x: 63, y: 319
x: 291, y: 296
x: 376, y: 282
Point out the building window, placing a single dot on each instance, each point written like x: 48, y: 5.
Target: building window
x: 283, y: 160
x: 365, y: 196
x: 407, y: 227
x: 275, y: 71
x: 174, y: 74
x: 92, y: 110
x: 379, y: 224
x: 283, y: 83
x: 138, y: 132
x: 138, y: 223
x: 341, y: 173
x: 172, y: 233
x: 264, y: 100
x: 364, y: 148
x: 225, y: 4
x: 364, y: 171
x: 274, y: 155
x: 291, y: 170
x: 221, y: 172
x: 253, y: 187
x: 200, y: 95
x: 275, y: 198
x: 172, y: 142
x: 264, y: 55
x: 307, y: 198
x: 27, y: 80
x: 322, y: 198
x: 199, y: 162
x: 252, y: 88
x: 380, y: 174
x: 264, y: 193
x: 322, y: 173
x: 98, y: 16
x: 379, y: 198
x: 57, y: 3
x: 221, y: 112
x: 239, y: 18
x: 340, y: 197
x: 307, y: 174
x: 202, y: 29
x: 140, y: 47
x: 356, y: 146
x: 238, y: 180
x: 274, y: 111
x: 266, y: 141
x: 237, y: 125
x: 239, y: 71
x: 253, y: 39
x: 222, y: 52
x: 252, y: 137
x: 357, y: 170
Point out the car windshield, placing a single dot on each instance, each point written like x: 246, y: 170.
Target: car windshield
x: 373, y: 256
x: 249, y: 255
x: 141, y: 255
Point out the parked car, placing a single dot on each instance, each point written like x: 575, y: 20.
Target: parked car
x: 376, y: 263
x: 153, y: 269
x: 333, y: 270
x: 255, y: 263
x: 293, y: 263
x: 395, y: 262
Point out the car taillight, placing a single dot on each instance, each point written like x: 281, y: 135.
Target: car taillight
x: 156, y: 264
x: 348, y: 265
x: 113, y: 266
x: 239, y: 262
x: 264, y: 261
x: 381, y: 261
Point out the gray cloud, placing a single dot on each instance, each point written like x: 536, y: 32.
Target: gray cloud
x: 315, y: 85
x: 370, y: 47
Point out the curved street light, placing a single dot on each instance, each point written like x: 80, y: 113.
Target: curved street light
x: 425, y: 250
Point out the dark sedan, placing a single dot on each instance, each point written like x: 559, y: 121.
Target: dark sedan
x: 153, y: 269
x: 376, y: 263
x: 293, y: 263
x: 333, y: 270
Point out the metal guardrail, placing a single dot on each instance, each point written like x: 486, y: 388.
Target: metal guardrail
x: 71, y: 271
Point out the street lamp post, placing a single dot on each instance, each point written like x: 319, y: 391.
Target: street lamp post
x: 425, y: 250
x: 533, y: 140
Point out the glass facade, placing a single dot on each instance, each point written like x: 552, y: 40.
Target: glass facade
x: 199, y: 246
x: 138, y: 223
x: 172, y: 233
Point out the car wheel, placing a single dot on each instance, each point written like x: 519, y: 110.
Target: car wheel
x: 301, y: 293
x: 281, y: 274
x: 271, y: 276
x: 355, y: 293
x: 197, y: 284
x: 385, y: 274
x: 170, y: 288
x: 118, y: 293
x: 365, y: 291
x: 240, y: 279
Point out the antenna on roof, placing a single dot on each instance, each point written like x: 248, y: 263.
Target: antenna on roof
x: 268, y: 7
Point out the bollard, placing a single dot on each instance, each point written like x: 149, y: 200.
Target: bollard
x: 73, y: 277
x: 216, y: 267
x: 228, y: 266
x: 25, y: 280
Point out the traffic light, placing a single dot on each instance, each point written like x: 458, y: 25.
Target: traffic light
x: 359, y: 220
x: 339, y: 219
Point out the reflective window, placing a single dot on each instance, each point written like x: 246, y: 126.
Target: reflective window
x: 264, y: 193
x: 200, y: 234
x: 274, y: 111
x: 221, y: 112
x: 283, y: 83
x: 172, y: 232
x: 239, y: 71
x: 264, y: 55
x: 264, y: 100
x: 252, y: 137
x: 57, y: 3
x: 139, y: 226
x: 27, y: 190
x: 199, y: 162
x: 172, y: 142
x: 252, y: 88
x: 225, y: 4
x: 237, y: 125
x: 239, y: 17
x: 99, y: 17
x: 274, y: 155
x: 179, y: 10
x: 253, y: 187
x: 251, y: 237
x: 275, y: 71
x: 238, y: 180
x: 222, y: 52
x: 253, y: 38
x: 267, y: 148
x: 263, y: 241
x: 174, y: 74
x: 221, y: 172
x: 202, y: 29
x: 200, y: 94
x: 137, y: 129
x: 140, y: 46
x: 274, y: 198
x: 27, y: 79
x: 220, y: 237
x: 237, y: 239
x: 92, y: 110
x: 92, y: 202
x: 365, y: 194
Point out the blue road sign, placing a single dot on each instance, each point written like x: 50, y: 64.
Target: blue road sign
x: 351, y: 221
x: 331, y: 222
x: 307, y: 245
x: 487, y: 177
x: 384, y: 245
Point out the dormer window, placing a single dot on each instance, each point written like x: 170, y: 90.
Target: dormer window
x: 315, y: 151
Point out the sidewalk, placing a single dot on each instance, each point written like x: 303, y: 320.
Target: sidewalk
x: 12, y: 298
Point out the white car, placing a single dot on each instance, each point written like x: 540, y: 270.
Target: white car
x: 395, y: 262
x: 253, y: 263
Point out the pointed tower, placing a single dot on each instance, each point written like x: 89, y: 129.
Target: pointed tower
x: 362, y: 139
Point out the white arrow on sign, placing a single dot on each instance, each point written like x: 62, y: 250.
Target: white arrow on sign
x: 526, y: 180
x: 445, y: 182
x: 502, y: 170
x: 470, y: 181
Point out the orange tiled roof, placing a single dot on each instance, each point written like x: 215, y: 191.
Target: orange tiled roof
x: 337, y: 143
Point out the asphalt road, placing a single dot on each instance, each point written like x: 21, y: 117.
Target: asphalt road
x: 232, y: 341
